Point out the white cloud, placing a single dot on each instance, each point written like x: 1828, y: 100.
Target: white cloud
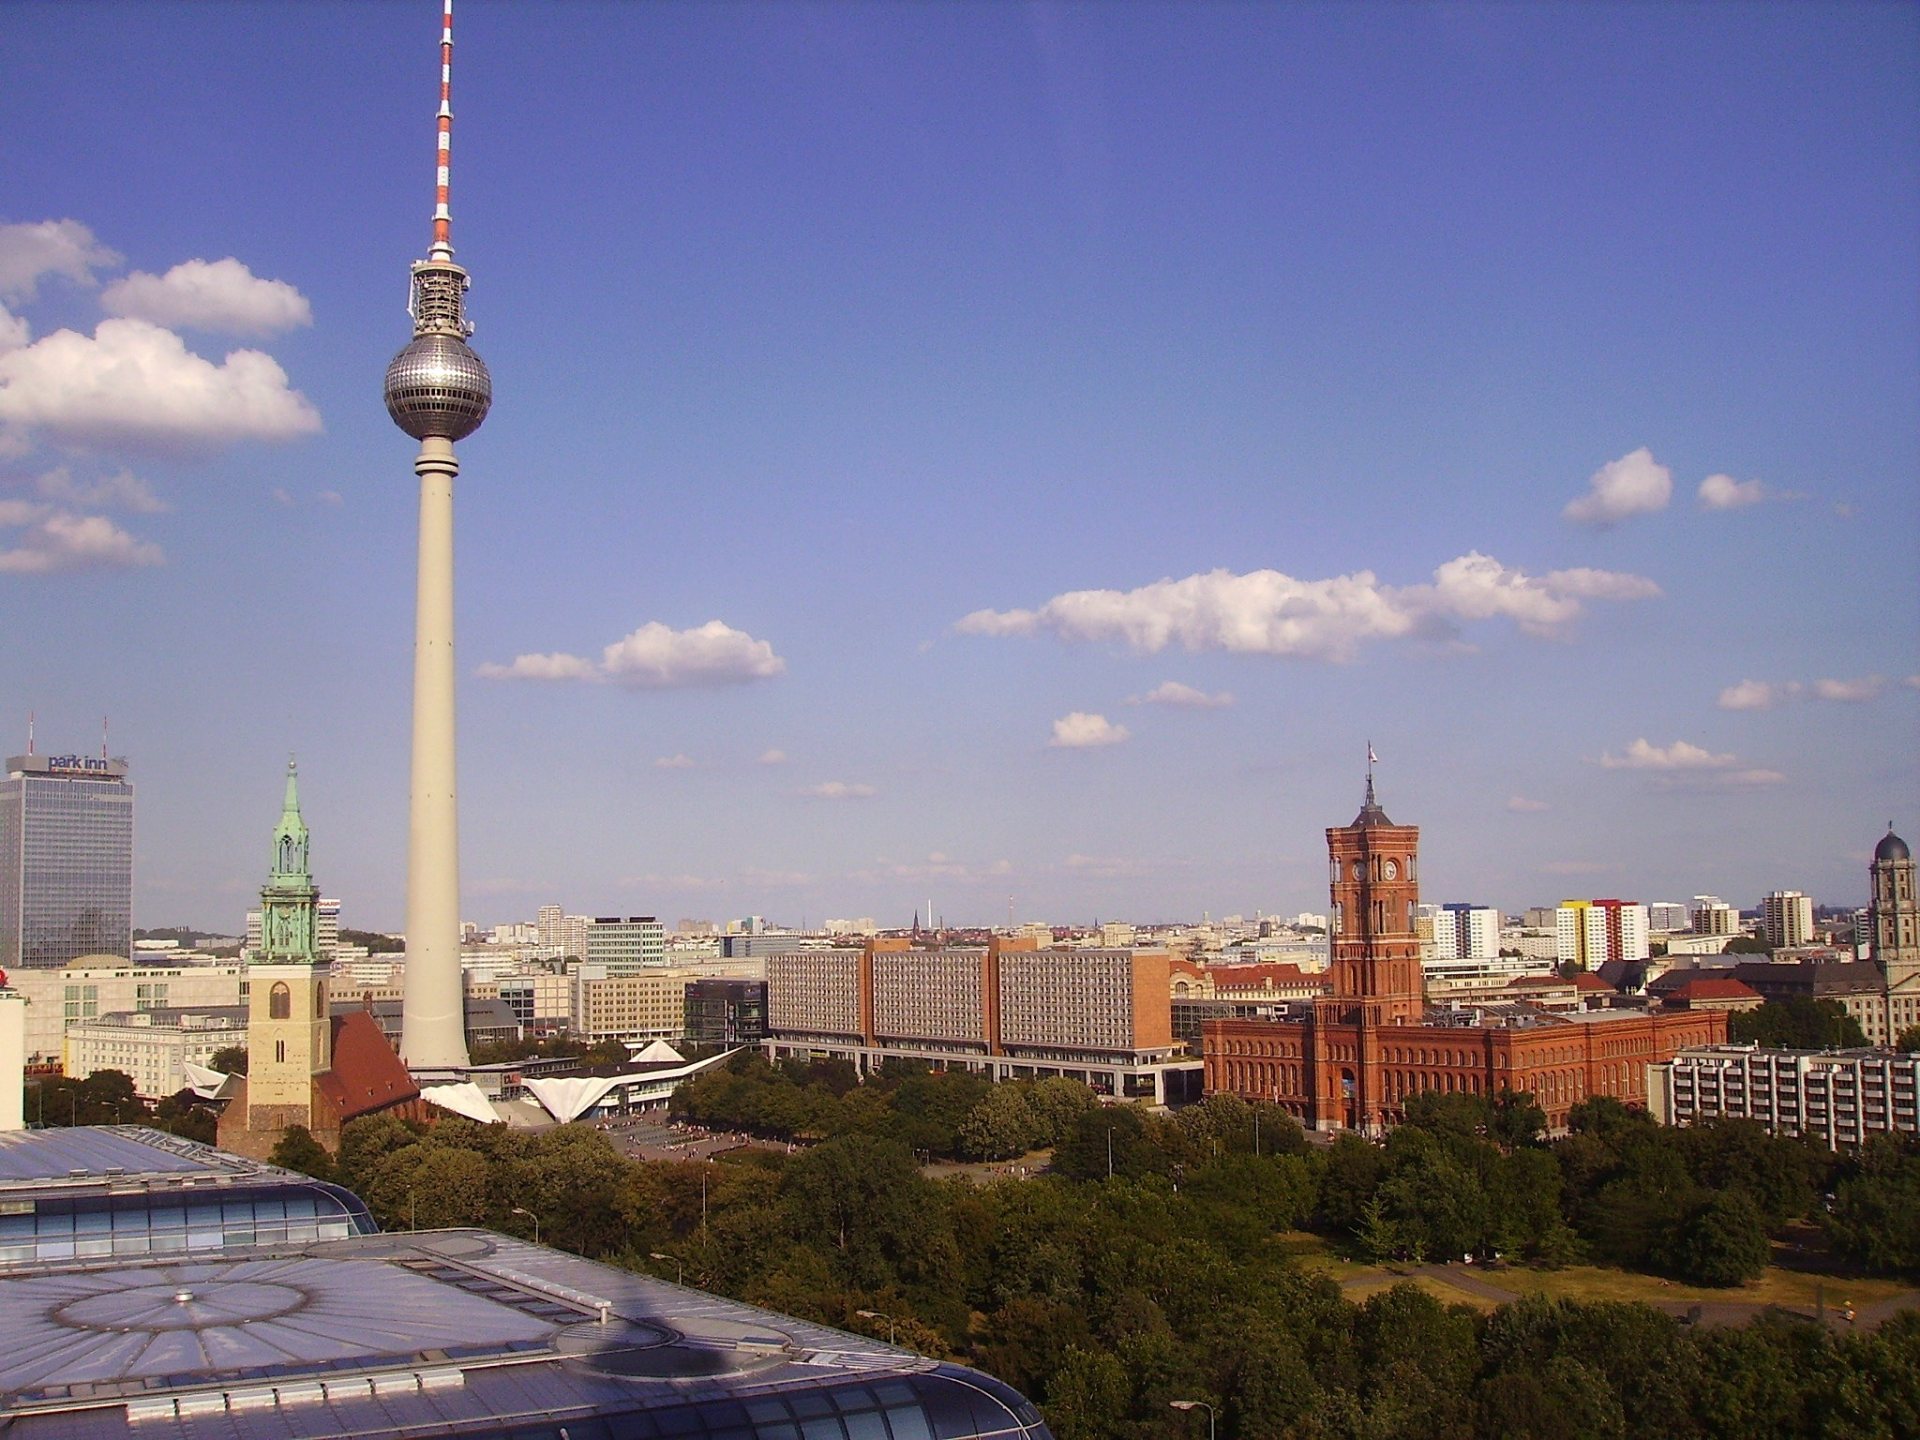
x: 64, y: 541
x: 1265, y: 612
x: 1174, y: 693
x: 1767, y: 695
x: 1681, y: 766
x: 329, y: 497
x: 1635, y: 484
x: 772, y: 757
x: 1756, y: 695
x: 14, y: 332
x: 839, y: 790
x: 30, y: 252
x: 680, y: 761
x: 1081, y: 731
x: 283, y: 496
x: 1642, y: 755
x: 1521, y: 805
x: 1723, y: 492
x: 122, y: 490
x: 134, y: 384
x: 656, y: 657
x: 541, y: 667
x: 218, y: 295
x: 1851, y: 692
x: 1912, y: 682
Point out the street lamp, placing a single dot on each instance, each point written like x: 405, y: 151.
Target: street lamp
x: 1109, y: 1152
x: 679, y: 1265
x: 1191, y: 1404
x: 878, y: 1315
x: 522, y: 1210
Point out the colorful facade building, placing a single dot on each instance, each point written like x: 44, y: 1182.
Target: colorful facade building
x: 1352, y: 1059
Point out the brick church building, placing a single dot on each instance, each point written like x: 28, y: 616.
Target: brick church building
x: 1350, y: 1059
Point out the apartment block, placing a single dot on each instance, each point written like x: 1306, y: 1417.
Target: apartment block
x: 1786, y: 918
x: 1101, y: 1015
x: 1588, y: 933
x: 1838, y: 1097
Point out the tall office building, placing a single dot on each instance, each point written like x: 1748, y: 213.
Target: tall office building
x: 438, y: 391
x: 66, y: 860
x: 1588, y: 933
x: 1713, y: 916
x: 1786, y: 918
x: 626, y: 947
x: 1466, y: 932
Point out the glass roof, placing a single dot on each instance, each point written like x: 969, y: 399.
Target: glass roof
x: 455, y: 1332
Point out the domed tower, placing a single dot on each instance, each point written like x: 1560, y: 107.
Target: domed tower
x: 1895, y: 926
x: 438, y: 391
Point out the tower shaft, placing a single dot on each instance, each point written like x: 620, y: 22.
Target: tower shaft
x: 433, y: 1016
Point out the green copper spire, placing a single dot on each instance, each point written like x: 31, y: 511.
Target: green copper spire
x: 289, y: 901
x: 290, y: 838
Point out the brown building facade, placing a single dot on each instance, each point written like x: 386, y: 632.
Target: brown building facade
x: 1350, y: 1060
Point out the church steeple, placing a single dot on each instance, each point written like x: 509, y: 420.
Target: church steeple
x: 289, y: 901
x: 290, y: 836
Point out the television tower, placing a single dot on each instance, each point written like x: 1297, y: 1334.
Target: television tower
x: 438, y: 391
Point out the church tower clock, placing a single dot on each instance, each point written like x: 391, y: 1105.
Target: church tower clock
x: 1373, y: 888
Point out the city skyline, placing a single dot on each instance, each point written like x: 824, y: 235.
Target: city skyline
x: 997, y: 452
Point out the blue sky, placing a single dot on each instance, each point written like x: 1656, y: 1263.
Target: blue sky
x: 1088, y: 426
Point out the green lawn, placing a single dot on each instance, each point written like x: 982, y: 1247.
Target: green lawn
x: 1778, y: 1286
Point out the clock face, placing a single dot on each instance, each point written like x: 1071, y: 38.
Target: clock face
x: 1359, y: 870
x: 1392, y: 870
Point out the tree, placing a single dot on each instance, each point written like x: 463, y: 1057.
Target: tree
x: 1057, y: 1103
x: 1872, y: 1218
x: 1517, y: 1118
x: 229, y: 1060
x: 1001, y: 1126
x: 1721, y: 1241
x: 1908, y: 1040
x: 1797, y: 1024
x: 298, y: 1150
x: 1090, y: 1394
x: 1747, y: 945
x: 182, y: 1113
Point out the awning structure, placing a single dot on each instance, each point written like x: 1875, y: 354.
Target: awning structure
x: 569, y: 1097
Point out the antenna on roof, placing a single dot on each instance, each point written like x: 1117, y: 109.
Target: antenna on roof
x: 103, y: 737
x: 30, y: 739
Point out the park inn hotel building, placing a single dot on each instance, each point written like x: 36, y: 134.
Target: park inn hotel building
x: 1008, y: 1011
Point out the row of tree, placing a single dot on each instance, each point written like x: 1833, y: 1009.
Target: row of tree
x: 945, y: 1115
x: 1108, y: 1298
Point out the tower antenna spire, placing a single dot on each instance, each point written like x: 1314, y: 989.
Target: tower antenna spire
x: 437, y: 391
x: 443, y: 124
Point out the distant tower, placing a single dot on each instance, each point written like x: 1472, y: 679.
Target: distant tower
x: 289, y: 1034
x: 1374, y: 886
x: 1896, y: 930
x: 438, y: 391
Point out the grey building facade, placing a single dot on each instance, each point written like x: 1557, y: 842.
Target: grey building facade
x: 66, y: 860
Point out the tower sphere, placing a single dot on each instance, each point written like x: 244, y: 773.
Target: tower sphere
x: 438, y: 386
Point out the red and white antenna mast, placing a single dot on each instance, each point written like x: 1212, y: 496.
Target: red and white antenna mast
x: 443, y: 124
